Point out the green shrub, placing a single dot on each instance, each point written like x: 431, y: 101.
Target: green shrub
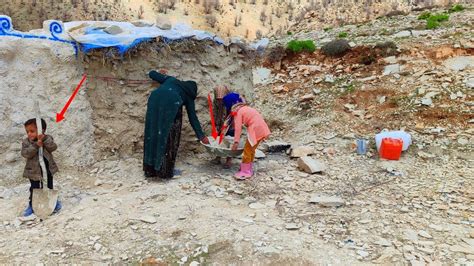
x: 297, y: 46
x: 439, y: 17
x: 456, y: 8
x: 424, y: 15
x: 432, y: 24
x: 289, y: 33
x: 336, y: 48
x: 327, y: 29
x: 433, y: 21
x: 342, y: 34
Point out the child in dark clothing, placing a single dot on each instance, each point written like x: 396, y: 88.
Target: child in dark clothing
x: 29, y: 150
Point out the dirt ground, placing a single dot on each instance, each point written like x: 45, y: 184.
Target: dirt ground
x: 186, y: 216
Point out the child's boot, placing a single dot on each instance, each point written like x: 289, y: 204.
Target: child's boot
x: 28, y: 211
x: 245, y: 171
x: 58, y: 207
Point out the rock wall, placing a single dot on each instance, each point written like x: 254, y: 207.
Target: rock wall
x: 35, y: 69
x: 119, y: 106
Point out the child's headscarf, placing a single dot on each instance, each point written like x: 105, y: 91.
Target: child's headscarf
x: 230, y: 99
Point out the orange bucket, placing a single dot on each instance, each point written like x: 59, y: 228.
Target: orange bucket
x: 391, y: 149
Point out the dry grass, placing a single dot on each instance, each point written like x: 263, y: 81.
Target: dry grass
x: 256, y: 17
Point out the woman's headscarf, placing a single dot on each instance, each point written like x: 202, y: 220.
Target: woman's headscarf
x: 230, y: 99
x: 189, y: 87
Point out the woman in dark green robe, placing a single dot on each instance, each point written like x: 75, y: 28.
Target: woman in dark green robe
x: 163, y: 123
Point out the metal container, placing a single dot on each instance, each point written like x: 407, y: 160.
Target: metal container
x: 223, y: 149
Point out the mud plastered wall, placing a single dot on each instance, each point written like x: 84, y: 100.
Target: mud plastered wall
x: 31, y: 70
x: 119, y: 107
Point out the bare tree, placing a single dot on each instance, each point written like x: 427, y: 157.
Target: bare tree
x: 325, y: 3
x: 395, y: 6
x: 313, y: 5
x: 8, y: 12
x: 300, y: 16
x: 211, y: 20
x: 217, y: 5
x: 208, y: 4
x: 289, y: 8
x: 141, y: 10
x: 41, y: 15
x: 67, y: 17
x: 279, y: 31
x: 263, y: 17
x: 172, y: 4
x: 85, y: 5
x: 29, y: 9
x: 258, y: 34
x: 162, y: 7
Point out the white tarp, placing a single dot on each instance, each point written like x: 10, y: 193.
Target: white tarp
x: 93, y: 34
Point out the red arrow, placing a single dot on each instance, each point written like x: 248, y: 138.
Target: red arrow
x: 221, y: 137
x: 60, y: 116
x: 213, y: 123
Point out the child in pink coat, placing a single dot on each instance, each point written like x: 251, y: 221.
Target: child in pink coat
x: 257, y: 131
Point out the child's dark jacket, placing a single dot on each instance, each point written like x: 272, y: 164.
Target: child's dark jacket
x: 29, y: 150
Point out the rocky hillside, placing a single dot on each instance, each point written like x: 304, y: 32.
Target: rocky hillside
x: 246, y: 18
x: 393, y: 72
